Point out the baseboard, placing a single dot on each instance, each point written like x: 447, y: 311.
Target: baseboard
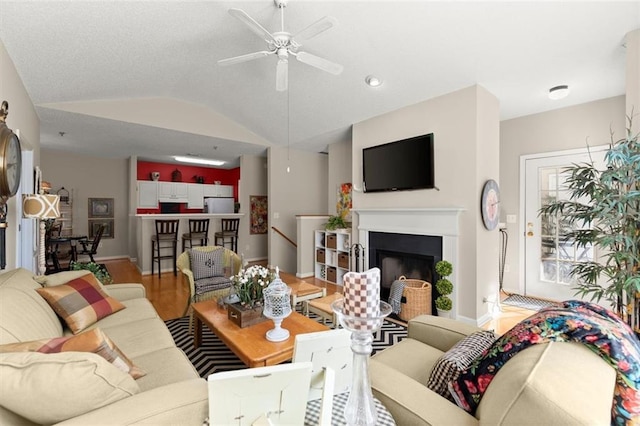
x: 477, y: 322
x: 304, y: 274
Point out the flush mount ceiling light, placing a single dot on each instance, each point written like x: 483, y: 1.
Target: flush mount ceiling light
x: 373, y: 81
x: 558, y: 92
x: 199, y: 161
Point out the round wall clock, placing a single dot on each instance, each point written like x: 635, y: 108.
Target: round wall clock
x: 489, y: 204
x: 10, y: 157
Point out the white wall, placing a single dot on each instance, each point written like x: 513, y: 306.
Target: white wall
x: 253, y: 181
x: 302, y: 190
x: 557, y: 130
x: 465, y: 125
x: 23, y: 117
x: 92, y: 177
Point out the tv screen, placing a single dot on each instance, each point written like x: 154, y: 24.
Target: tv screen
x: 398, y: 166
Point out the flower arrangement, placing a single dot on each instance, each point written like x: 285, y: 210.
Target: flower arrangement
x: 250, y: 283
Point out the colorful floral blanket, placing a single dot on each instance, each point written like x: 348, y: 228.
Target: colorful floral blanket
x: 573, y: 321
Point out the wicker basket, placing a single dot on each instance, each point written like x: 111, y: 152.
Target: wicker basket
x: 417, y: 294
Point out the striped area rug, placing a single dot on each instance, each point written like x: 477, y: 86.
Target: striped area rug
x: 213, y: 356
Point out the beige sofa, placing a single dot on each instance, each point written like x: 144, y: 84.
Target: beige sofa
x: 546, y: 384
x: 171, y: 392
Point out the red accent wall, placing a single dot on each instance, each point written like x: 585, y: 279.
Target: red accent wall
x: 225, y: 176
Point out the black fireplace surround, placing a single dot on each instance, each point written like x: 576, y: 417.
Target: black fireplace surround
x: 413, y: 256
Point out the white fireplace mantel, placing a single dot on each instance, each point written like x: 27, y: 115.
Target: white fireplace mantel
x: 442, y: 222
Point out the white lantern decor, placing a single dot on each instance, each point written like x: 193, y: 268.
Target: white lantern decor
x: 277, y: 306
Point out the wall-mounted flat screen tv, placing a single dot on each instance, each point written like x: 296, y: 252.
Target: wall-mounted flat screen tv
x: 398, y: 166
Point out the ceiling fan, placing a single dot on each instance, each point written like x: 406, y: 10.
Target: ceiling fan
x: 282, y: 44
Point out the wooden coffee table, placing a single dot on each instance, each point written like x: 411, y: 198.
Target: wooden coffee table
x: 250, y: 343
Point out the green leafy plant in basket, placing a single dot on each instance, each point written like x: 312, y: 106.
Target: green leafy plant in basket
x: 99, y: 271
x: 444, y: 286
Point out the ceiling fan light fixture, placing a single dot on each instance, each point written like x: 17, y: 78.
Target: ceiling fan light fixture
x: 373, y: 81
x: 195, y: 160
x: 558, y: 92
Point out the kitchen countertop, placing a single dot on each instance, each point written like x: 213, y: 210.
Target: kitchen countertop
x: 185, y: 215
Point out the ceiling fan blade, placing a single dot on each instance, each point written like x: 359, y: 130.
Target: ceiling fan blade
x: 282, y: 75
x: 252, y: 24
x: 243, y: 58
x: 320, y: 26
x: 320, y: 63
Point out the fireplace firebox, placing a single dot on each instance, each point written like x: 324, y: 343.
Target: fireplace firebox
x: 413, y: 256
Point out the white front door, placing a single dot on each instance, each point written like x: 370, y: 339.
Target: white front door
x: 548, y: 258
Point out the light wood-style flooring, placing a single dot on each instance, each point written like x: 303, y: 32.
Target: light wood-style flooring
x: 169, y: 294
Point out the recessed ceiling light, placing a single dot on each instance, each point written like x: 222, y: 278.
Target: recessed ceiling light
x: 558, y: 92
x: 373, y: 81
x: 199, y: 161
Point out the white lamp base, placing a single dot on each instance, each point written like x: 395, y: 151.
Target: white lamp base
x: 277, y: 334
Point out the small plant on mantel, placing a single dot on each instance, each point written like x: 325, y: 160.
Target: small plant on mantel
x: 444, y: 286
x: 336, y: 222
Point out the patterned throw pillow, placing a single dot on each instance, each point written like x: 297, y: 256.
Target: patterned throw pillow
x: 80, y: 303
x: 206, y: 264
x: 90, y: 341
x: 457, y: 359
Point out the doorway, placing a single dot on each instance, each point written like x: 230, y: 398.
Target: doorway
x: 548, y: 258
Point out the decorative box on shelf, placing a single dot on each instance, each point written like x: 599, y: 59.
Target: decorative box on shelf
x: 244, y: 317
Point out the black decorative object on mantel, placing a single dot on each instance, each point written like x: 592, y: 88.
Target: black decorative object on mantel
x: 176, y: 176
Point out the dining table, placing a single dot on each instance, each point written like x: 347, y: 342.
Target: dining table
x: 54, y: 242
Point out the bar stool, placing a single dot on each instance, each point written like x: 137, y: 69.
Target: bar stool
x: 166, y: 237
x: 228, y: 234
x: 198, y: 231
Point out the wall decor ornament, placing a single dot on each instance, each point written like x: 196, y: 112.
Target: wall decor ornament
x: 100, y: 207
x: 259, y: 214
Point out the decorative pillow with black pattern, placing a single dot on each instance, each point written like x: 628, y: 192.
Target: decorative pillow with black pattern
x: 206, y: 264
x: 457, y: 359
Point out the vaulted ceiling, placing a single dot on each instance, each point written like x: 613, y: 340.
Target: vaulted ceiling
x: 124, y: 78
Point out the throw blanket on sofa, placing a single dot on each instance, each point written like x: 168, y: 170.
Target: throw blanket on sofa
x: 574, y: 321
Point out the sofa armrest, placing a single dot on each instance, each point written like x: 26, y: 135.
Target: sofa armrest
x: 438, y: 332
x: 127, y: 291
x: 410, y: 402
x: 183, y: 403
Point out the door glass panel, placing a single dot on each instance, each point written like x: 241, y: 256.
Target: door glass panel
x: 557, y: 254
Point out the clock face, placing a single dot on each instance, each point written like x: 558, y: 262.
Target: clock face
x: 489, y: 204
x: 11, y: 164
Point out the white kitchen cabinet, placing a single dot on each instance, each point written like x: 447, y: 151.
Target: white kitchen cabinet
x: 175, y: 192
x: 195, y: 196
x: 218, y: 190
x: 147, y: 194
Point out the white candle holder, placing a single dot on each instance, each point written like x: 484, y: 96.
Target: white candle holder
x: 277, y: 306
x: 361, y: 408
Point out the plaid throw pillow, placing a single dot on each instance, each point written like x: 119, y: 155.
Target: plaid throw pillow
x: 80, y: 303
x: 457, y: 359
x: 90, y: 341
x: 206, y: 264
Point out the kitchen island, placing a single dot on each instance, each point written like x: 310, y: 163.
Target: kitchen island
x: 145, y: 228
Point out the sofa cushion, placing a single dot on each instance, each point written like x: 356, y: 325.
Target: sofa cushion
x: 32, y: 379
x: 206, y: 264
x: 94, y: 341
x: 411, y: 358
x: 457, y: 359
x: 80, y: 302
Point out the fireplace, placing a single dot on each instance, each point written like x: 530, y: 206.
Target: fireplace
x: 419, y: 235
x: 413, y: 256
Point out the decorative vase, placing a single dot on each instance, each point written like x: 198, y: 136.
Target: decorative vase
x: 444, y: 314
x: 155, y: 176
x: 176, y: 176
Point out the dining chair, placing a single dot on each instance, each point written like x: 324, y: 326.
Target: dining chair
x: 228, y: 234
x: 198, y: 231
x: 165, y: 238
x: 90, y: 247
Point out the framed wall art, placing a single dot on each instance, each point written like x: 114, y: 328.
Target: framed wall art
x: 94, y: 225
x: 100, y: 207
x: 259, y: 214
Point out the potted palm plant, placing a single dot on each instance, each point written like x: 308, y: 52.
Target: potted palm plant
x: 603, y: 211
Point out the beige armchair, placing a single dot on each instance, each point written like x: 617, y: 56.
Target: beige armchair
x: 200, y: 290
